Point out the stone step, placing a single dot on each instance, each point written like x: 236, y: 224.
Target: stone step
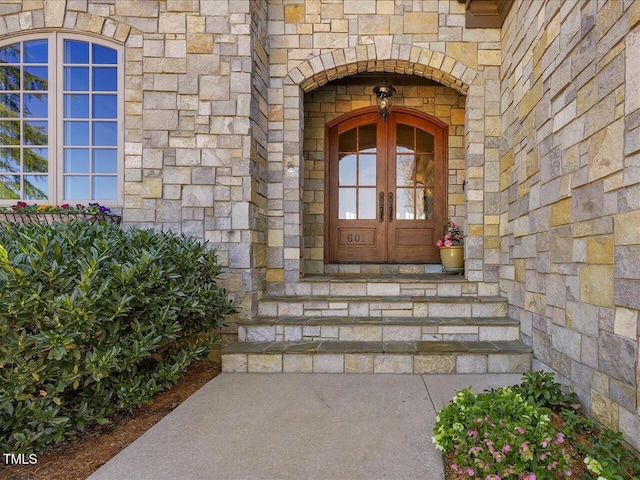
x: 298, y: 328
x: 377, y: 357
x: 382, y: 269
x: 411, y: 285
x: 382, y: 306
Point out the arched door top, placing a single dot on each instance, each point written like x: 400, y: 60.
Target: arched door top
x: 409, y: 111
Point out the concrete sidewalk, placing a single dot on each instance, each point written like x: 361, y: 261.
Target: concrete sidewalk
x: 299, y: 426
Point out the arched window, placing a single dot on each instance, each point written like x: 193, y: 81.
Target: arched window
x: 61, y: 120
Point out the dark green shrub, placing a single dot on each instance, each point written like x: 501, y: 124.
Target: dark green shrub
x: 95, y: 319
x: 540, y: 389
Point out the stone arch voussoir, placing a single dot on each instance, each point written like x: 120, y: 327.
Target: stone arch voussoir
x: 54, y: 16
x: 401, y: 59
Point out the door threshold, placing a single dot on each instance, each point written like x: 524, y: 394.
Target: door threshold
x: 382, y: 269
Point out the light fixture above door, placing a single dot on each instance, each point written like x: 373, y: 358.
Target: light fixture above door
x: 384, y: 92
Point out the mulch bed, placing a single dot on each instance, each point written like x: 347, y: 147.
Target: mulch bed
x: 79, y: 457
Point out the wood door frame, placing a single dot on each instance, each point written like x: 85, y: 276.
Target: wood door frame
x: 444, y: 154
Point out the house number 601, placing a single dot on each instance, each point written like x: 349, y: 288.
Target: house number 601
x: 355, y: 238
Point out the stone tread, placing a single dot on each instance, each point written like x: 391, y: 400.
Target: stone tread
x: 429, y: 278
x: 395, y: 321
x: 406, y: 347
x: 378, y: 298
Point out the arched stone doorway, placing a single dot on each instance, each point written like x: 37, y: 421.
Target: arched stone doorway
x: 348, y: 97
x: 302, y: 250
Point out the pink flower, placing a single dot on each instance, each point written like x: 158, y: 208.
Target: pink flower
x: 552, y: 465
x: 559, y: 438
x: 506, y: 448
x: 439, y: 243
x: 448, y: 243
x: 511, y: 469
x: 520, y: 430
x: 470, y: 471
x: 474, y: 450
x: 527, y: 476
x: 473, y: 433
x: 545, y: 443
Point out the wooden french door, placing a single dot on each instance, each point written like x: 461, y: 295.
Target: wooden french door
x: 386, y: 196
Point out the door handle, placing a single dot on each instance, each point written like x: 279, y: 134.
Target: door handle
x: 381, y: 207
x: 390, y: 207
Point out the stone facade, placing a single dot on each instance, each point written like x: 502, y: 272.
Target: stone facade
x: 225, y: 102
x: 570, y: 186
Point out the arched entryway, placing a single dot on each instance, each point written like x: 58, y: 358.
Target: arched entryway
x: 386, y: 188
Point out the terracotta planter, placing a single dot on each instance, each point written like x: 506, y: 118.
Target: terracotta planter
x: 452, y: 258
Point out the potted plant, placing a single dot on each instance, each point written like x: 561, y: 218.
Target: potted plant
x: 451, y: 249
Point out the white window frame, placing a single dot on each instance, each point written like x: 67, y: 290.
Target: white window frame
x: 56, y: 114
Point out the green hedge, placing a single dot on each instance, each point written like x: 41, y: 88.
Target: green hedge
x: 95, y: 319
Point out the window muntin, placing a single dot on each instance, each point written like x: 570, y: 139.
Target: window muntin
x: 60, y: 121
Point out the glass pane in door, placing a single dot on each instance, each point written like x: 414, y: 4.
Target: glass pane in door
x: 425, y: 173
x: 425, y: 204
x: 367, y: 139
x: 347, y: 170
x: 405, y: 204
x: 367, y: 203
x: 347, y: 208
x: 405, y: 139
x: 367, y: 170
x: 424, y: 142
x: 405, y: 166
x: 348, y: 141
x: 357, y: 175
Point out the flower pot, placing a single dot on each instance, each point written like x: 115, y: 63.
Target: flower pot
x: 452, y: 258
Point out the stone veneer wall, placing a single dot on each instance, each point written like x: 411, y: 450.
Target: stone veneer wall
x: 570, y: 183
x: 331, y: 101
x: 315, y: 41
x: 196, y: 78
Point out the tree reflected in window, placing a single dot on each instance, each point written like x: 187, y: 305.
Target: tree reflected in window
x: 24, y: 95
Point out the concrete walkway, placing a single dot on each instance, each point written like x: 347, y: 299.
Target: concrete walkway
x: 299, y: 426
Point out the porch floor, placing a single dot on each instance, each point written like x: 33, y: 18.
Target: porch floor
x: 293, y: 426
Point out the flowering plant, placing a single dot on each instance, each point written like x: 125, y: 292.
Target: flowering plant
x: 452, y: 235
x: 499, y: 435
x: 23, y: 207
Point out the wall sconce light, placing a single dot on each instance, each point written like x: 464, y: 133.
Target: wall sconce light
x: 290, y: 167
x: 384, y: 92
